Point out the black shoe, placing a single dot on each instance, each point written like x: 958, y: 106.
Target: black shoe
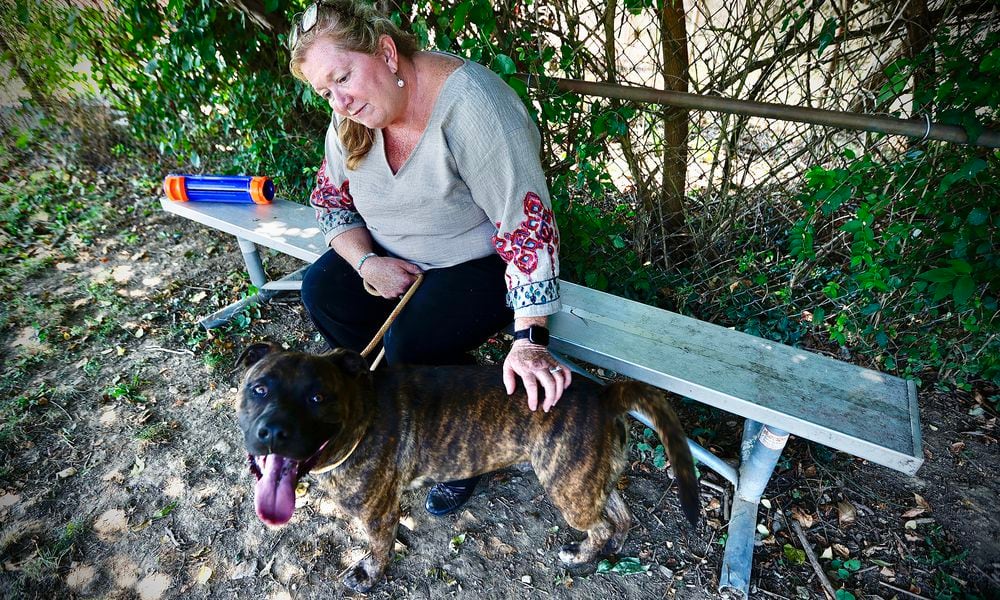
x: 447, y: 497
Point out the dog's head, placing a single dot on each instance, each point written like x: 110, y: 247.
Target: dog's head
x: 294, y: 409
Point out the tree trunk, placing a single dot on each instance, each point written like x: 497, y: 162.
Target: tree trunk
x: 918, y: 38
x: 669, y: 213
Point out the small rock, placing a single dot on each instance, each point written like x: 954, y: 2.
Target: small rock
x: 247, y: 568
x: 71, y: 471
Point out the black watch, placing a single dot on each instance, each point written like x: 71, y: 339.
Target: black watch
x: 536, y: 334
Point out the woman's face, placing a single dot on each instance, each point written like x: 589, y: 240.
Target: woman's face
x: 358, y: 86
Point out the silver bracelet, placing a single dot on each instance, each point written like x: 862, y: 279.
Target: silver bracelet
x: 362, y: 260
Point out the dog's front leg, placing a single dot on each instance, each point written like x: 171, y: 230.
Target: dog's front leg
x: 380, y: 526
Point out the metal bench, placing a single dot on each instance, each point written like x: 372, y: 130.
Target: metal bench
x: 780, y: 390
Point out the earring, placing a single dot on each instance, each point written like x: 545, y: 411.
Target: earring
x: 399, y: 81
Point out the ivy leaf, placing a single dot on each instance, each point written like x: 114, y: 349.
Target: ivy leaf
x: 990, y: 62
x: 504, y: 64
x: 978, y: 216
x: 961, y: 267
x: 882, y: 339
x: 827, y: 35
x: 938, y: 275
x: 963, y: 290
x: 458, y: 19
x: 852, y: 226
x: 942, y: 290
x: 519, y: 86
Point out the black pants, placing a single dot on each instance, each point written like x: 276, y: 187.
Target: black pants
x: 454, y: 311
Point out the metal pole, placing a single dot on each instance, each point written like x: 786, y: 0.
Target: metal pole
x: 917, y: 128
x: 760, y: 450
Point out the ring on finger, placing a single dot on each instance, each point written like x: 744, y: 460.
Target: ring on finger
x: 555, y: 369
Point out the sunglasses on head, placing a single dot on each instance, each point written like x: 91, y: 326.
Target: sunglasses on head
x: 302, y: 23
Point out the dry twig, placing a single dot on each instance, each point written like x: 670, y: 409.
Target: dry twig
x: 827, y: 587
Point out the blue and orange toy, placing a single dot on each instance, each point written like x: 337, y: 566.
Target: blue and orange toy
x: 236, y: 189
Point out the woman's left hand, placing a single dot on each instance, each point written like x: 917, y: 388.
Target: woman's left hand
x: 536, y: 367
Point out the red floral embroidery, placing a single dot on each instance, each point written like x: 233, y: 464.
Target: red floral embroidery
x: 328, y: 195
x: 520, y: 247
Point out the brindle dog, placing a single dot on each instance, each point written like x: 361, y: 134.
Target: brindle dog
x: 385, y: 431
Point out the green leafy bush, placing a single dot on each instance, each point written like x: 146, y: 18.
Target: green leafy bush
x: 919, y: 284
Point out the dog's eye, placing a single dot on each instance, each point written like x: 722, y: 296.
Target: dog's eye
x: 317, y: 399
x: 259, y: 390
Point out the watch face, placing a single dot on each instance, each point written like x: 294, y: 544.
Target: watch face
x: 538, y: 335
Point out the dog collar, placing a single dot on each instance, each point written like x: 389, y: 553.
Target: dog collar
x: 339, y: 462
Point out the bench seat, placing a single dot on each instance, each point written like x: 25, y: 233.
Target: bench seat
x: 859, y: 411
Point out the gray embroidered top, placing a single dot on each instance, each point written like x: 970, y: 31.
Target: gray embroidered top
x: 473, y: 185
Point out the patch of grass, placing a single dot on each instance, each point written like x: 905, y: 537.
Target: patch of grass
x: 92, y: 367
x: 45, y: 565
x: 16, y: 413
x: 157, y: 432
x: 127, y: 391
x: 213, y: 360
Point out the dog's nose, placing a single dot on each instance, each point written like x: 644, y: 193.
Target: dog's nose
x: 271, y: 433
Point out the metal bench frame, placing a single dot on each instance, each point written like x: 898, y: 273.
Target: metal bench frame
x: 778, y: 389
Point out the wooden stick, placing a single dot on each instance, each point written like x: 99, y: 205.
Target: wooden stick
x: 902, y: 591
x: 813, y: 561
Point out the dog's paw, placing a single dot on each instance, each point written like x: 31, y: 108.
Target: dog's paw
x: 570, y: 554
x: 358, y: 579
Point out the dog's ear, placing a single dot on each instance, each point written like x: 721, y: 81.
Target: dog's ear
x: 253, y: 354
x: 349, y: 361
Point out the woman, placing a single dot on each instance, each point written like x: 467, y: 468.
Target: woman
x: 432, y: 166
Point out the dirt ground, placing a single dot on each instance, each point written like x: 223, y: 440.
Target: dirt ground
x: 123, y: 472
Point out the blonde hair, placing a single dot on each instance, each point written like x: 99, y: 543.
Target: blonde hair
x: 355, y: 26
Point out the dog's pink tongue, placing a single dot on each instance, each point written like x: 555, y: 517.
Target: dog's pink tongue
x: 274, y: 496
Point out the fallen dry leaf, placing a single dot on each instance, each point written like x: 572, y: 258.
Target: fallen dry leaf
x: 913, y: 512
x: 204, y: 574
x: 842, y: 550
x: 804, y: 519
x: 846, y: 513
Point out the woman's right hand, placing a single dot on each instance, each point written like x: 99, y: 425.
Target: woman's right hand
x: 390, y: 277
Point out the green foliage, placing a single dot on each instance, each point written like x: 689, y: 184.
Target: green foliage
x: 626, y: 565
x: 127, y: 391
x: 793, y: 555
x: 205, y: 88
x: 201, y: 84
x: 918, y: 289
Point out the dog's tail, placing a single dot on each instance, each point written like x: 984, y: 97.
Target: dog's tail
x: 653, y: 404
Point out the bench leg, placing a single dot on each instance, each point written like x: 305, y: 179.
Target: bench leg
x: 252, y: 259
x: 265, y: 289
x: 762, y: 445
